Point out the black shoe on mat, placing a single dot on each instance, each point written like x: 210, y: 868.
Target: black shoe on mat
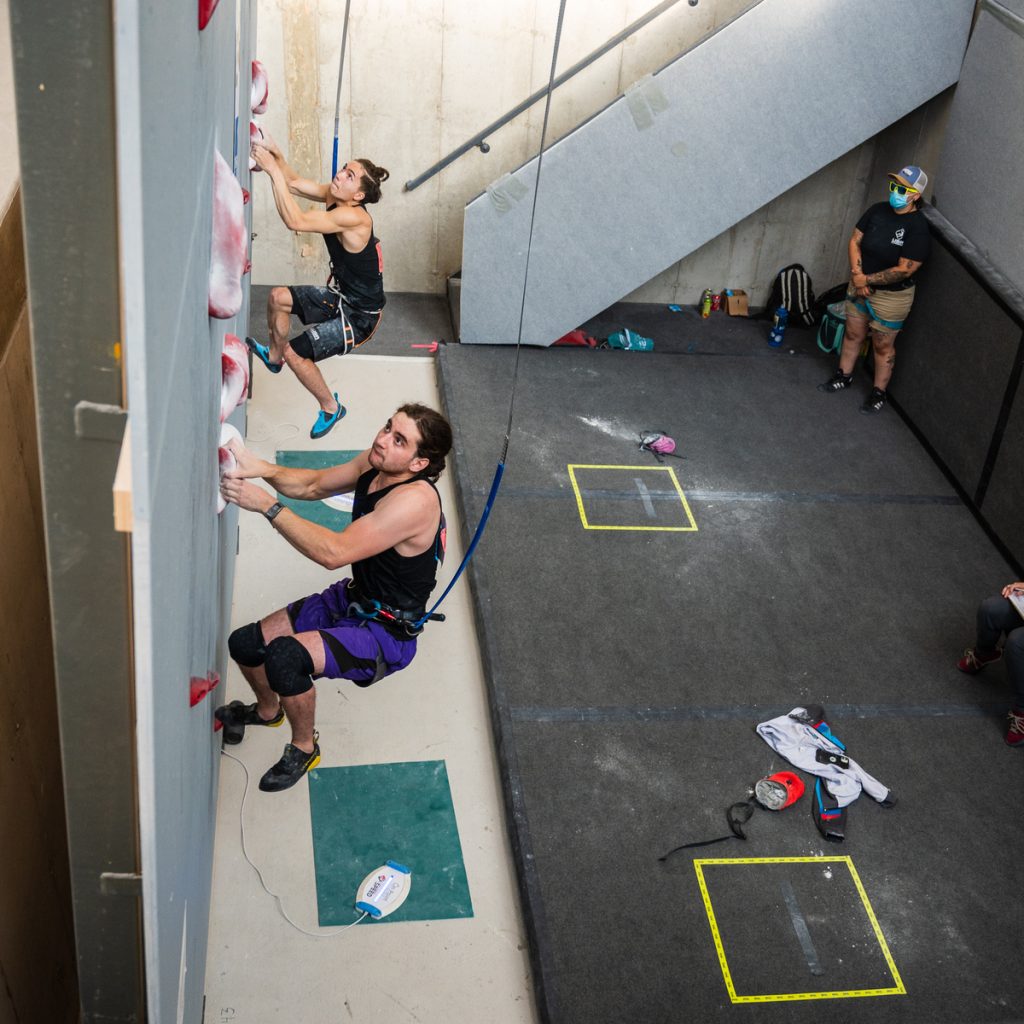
x: 874, y: 401
x: 839, y: 381
x: 236, y: 716
x: 293, y: 765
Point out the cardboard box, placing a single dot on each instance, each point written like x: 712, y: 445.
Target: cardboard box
x: 736, y: 304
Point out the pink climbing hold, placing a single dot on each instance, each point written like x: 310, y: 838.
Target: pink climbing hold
x: 234, y: 362
x: 225, y: 459
x: 260, y: 91
x: 206, y: 9
x: 255, y: 135
x: 228, y: 256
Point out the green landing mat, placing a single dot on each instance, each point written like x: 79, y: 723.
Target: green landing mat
x: 316, y: 511
x: 367, y: 814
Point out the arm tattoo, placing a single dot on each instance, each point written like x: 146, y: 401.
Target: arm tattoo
x: 890, y: 276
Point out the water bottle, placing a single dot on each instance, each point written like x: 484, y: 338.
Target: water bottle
x: 779, y: 321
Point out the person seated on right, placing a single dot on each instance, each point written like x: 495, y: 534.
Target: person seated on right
x: 998, y: 616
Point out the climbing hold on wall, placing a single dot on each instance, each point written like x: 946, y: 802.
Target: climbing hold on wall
x: 260, y: 91
x: 234, y: 363
x: 206, y: 9
x: 228, y: 257
x: 226, y: 461
x: 255, y: 135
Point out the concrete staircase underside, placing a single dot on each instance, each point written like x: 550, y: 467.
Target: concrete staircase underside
x: 773, y: 96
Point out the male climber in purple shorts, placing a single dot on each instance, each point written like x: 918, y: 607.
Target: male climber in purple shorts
x: 363, y: 628
x: 346, y: 313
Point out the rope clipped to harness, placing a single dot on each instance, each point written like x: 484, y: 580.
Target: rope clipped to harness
x: 658, y: 444
x: 773, y: 793
x: 371, y: 610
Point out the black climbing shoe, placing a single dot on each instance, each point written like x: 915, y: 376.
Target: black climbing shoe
x: 236, y: 716
x: 839, y: 381
x: 874, y: 401
x: 293, y: 765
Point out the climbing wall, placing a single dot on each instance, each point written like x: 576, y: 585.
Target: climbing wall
x: 184, y: 82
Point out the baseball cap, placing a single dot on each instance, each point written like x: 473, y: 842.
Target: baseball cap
x: 912, y: 177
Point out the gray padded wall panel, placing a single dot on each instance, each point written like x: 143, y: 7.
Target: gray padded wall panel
x: 952, y: 363
x: 177, y: 100
x: 983, y: 152
x: 771, y: 98
x: 1004, y: 499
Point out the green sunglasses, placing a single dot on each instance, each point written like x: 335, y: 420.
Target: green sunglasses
x: 901, y: 190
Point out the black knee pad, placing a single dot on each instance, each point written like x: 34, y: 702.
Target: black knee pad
x: 302, y: 346
x: 247, y: 646
x: 289, y: 667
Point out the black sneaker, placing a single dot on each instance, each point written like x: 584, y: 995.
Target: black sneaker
x: 236, y: 716
x: 839, y: 381
x: 293, y: 765
x: 874, y: 401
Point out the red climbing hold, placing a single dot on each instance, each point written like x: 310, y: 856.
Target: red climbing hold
x: 206, y: 9
x: 260, y: 91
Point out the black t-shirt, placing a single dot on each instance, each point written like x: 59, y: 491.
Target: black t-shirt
x: 888, y: 236
x: 400, y: 581
x: 358, y: 275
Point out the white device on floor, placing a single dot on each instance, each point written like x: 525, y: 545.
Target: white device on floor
x: 384, y: 890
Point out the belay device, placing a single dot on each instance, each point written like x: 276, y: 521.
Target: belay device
x: 773, y: 793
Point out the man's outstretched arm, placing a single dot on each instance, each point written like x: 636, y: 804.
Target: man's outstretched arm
x: 404, y: 515
x: 304, y: 484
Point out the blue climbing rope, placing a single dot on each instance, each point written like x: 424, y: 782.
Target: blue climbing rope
x: 337, y: 100
x: 500, y: 469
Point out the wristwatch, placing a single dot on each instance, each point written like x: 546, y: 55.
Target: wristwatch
x: 273, y: 511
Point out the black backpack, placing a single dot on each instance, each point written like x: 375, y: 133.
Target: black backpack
x: 834, y: 294
x: 792, y: 289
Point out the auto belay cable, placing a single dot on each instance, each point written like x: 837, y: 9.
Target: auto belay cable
x: 500, y: 469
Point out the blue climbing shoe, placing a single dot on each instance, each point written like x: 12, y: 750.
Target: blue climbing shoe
x: 262, y: 353
x: 325, y: 421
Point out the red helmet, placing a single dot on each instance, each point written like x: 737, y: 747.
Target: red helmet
x: 780, y: 790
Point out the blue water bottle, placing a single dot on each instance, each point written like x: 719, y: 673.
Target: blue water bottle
x: 778, y: 330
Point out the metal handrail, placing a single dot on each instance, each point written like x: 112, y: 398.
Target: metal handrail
x: 478, y: 139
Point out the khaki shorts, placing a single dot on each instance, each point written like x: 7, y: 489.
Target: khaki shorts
x: 885, y: 311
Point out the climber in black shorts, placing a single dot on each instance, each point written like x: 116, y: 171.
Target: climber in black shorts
x: 343, y: 315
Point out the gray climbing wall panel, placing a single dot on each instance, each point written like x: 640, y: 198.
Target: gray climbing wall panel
x: 979, y: 184
x: 178, y: 100
x: 772, y: 97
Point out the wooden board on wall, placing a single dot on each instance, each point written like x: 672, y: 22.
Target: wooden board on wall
x: 37, y: 949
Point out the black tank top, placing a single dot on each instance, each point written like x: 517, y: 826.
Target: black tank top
x: 359, y: 276
x: 399, y: 581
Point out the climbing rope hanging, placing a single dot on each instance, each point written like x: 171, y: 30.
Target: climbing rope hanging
x: 337, y: 100
x: 500, y: 469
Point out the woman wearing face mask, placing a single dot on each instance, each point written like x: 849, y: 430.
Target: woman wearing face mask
x: 888, y: 245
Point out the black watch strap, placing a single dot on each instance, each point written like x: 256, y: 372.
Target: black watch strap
x: 273, y: 511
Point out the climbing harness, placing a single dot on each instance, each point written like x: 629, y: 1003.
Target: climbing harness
x: 500, y: 469
x: 337, y: 101
x: 658, y: 444
x: 410, y: 622
x: 773, y: 793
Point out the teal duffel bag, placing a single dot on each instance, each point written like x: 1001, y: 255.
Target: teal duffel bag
x: 627, y: 339
x: 832, y: 327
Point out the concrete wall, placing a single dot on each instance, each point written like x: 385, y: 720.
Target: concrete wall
x: 423, y: 77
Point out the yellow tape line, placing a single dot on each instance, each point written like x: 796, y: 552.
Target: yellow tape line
x: 692, y: 528
x: 897, y: 990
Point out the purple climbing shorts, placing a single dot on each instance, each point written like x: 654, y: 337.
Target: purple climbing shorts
x: 354, y: 648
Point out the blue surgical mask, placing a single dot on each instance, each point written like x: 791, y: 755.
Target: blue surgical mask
x: 898, y: 202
